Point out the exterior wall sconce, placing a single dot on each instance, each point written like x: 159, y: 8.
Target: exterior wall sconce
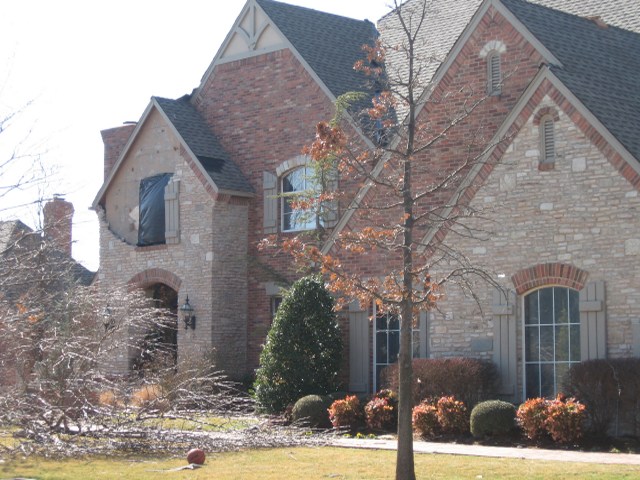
x: 187, y: 315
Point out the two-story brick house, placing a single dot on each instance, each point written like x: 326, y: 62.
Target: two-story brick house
x: 192, y: 188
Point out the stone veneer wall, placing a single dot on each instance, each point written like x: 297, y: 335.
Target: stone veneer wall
x: 582, y: 213
x: 209, y: 261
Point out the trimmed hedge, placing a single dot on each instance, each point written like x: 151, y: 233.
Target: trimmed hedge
x: 469, y: 380
x: 492, y: 418
x: 312, y: 410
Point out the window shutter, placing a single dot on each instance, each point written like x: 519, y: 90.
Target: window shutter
x: 636, y: 338
x: 424, y: 351
x: 330, y: 214
x: 495, y: 76
x: 172, y: 212
x: 593, y: 335
x: 549, y: 144
x: 504, y: 339
x: 270, y: 190
x: 358, y: 349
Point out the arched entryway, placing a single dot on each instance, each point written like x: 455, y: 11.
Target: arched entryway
x: 157, y: 346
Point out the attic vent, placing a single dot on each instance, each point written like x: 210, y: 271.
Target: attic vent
x: 494, y: 74
x: 598, y: 21
x: 547, y: 143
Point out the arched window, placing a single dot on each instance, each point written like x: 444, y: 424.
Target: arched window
x: 297, y: 182
x: 494, y: 73
x: 551, y: 339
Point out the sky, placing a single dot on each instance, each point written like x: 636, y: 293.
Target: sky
x: 71, y: 68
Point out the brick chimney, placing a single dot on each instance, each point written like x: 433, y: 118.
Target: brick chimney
x: 114, y: 140
x: 58, y: 215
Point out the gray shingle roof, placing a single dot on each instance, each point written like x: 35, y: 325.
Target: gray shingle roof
x: 601, y: 66
x: 203, y: 143
x: 446, y: 20
x: 330, y: 44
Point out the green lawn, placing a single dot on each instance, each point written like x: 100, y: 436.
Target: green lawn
x: 310, y: 463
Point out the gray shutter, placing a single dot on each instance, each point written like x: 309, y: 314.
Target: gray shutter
x: 504, y: 339
x: 172, y: 212
x: 270, y: 189
x: 358, y: 349
x: 424, y: 351
x: 636, y: 338
x: 593, y: 334
x: 330, y: 217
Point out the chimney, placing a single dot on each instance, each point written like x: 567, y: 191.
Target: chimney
x: 114, y: 140
x: 58, y: 215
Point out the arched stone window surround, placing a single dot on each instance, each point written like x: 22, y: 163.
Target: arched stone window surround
x: 292, y: 163
x: 549, y: 274
x: 152, y: 276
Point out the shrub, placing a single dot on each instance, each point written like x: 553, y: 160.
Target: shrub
x: 492, y: 418
x: 452, y: 415
x: 303, y: 351
x: 150, y: 397
x: 532, y: 416
x: 565, y: 418
x: 425, y: 420
x: 608, y: 388
x: 381, y: 412
x: 468, y: 379
x: 312, y: 411
x: 110, y: 398
x: 346, y: 413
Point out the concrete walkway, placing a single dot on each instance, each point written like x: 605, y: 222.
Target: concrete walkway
x: 500, y: 452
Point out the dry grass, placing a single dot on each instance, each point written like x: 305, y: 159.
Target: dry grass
x: 310, y: 463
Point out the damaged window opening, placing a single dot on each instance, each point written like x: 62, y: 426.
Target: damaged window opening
x: 151, y: 230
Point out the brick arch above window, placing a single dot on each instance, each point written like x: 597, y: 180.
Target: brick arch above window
x: 546, y: 112
x: 152, y: 276
x: 546, y: 274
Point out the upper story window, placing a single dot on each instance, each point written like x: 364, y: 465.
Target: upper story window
x: 297, y: 182
x: 492, y: 53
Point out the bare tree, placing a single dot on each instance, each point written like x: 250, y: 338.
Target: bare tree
x: 403, y: 192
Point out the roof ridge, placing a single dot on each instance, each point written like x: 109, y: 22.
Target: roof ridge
x: 300, y: 7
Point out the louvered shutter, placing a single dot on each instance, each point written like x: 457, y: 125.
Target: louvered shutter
x: 504, y: 339
x: 330, y: 209
x: 593, y: 333
x: 270, y: 191
x: 359, y: 360
x: 172, y: 212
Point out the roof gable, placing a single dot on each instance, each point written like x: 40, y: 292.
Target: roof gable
x: 197, y: 138
x: 601, y: 66
x: 327, y: 45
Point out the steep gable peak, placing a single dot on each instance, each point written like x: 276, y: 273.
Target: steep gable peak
x: 327, y: 45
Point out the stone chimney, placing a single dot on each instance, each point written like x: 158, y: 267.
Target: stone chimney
x: 114, y: 140
x: 58, y: 216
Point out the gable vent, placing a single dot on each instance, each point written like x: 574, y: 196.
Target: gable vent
x: 549, y: 144
x: 495, y: 77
